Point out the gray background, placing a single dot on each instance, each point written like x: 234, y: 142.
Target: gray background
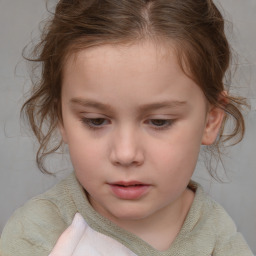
x: 19, y: 177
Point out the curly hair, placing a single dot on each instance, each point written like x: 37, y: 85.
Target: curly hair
x: 196, y: 27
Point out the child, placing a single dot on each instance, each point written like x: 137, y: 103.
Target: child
x: 135, y: 87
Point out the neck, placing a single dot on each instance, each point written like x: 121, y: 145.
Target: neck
x: 159, y: 230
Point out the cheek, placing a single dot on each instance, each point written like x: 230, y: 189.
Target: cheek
x: 179, y: 147
x: 175, y: 167
x: 84, y: 153
x: 177, y: 156
x: 86, y: 159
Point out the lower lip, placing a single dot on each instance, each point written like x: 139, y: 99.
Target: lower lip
x: 129, y: 192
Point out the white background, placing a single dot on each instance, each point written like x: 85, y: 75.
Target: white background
x: 19, y: 177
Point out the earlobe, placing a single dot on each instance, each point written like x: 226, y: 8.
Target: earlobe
x: 213, y: 123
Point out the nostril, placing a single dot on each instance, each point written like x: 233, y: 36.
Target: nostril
x: 126, y: 160
x: 126, y: 151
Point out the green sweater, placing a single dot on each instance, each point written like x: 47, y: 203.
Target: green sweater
x: 35, y: 227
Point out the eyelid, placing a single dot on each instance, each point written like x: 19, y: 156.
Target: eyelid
x: 168, y: 122
x: 93, y: 115
x: 88, y: 122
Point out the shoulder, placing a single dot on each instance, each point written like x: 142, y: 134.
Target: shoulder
x: 214, y: 220
x: 229, y: 241
x: 207, y: 212
x: 35, y: 227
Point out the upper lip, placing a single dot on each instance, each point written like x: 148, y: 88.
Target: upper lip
x: 128, y: 183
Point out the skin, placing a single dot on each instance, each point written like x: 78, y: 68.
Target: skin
x: 131, y: 114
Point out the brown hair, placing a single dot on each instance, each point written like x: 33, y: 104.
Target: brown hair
x: 195, y: 26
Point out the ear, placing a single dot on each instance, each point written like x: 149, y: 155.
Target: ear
x: 62, y: 132
x: 214, y: 120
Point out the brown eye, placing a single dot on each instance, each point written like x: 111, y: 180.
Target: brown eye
x: 97, y: 121
x: 94, y: 123
x: 159, y: 122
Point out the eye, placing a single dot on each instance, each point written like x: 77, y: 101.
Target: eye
x: 160, y: 123
x: 94, y: 123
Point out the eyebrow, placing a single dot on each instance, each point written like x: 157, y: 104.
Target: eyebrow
x: 93, y: 104
x: 164, y: 104
x: 142, y: 108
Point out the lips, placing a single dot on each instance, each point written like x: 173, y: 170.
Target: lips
x: 130, y: 190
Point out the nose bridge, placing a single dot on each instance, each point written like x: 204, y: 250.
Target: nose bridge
x: 126, y: 148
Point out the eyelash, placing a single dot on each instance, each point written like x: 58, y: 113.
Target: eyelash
x: 166, y: 123
x: 89, y: 123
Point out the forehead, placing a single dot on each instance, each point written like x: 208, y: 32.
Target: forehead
x: 146, y: 51
x: 138, y: 58
x: 145, y: 68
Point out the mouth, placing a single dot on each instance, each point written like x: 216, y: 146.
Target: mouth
x: 128, y: 184
x: 129, y: 190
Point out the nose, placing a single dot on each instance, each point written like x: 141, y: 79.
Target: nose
x: 126, y: 149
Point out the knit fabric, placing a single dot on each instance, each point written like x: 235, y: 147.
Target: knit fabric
x: 35, y: 227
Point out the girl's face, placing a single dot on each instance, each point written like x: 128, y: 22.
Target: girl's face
x: 134, y: 123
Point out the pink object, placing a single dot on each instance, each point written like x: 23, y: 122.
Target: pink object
x: 129, y: 190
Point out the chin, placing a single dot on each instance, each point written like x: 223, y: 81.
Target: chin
x: 130, y: 214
